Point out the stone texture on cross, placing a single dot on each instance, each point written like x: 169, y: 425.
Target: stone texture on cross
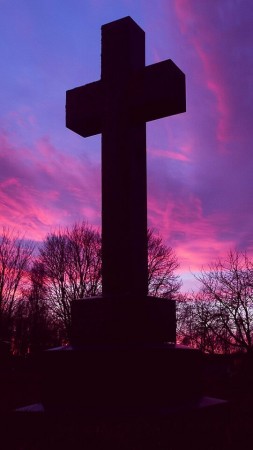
x: 118, y: 106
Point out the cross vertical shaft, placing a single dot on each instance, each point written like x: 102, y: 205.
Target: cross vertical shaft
x: 124, y: 193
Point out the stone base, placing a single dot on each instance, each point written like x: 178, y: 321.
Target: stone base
x: 123, y: 319
x: 121, y: 376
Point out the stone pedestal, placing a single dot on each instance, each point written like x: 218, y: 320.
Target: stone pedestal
x: 122, y: 320
x: 123, y: 377
x: 123, y: 355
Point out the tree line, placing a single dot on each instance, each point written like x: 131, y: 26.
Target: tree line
x: 219, y: 317
x: 37, y: 286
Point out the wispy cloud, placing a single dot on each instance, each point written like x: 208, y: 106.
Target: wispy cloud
x: 42, y: 187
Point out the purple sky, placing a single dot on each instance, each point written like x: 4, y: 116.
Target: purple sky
x: 200, y: 164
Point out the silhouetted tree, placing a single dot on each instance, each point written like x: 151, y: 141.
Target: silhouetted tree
x: 197, y: 324
x: 15, y: 257
x: 162, y: 265
x: 35, y: 327
x: 71, y: 260
x: 219, y: 318
x: 229, y: 284
x: 185, y: 320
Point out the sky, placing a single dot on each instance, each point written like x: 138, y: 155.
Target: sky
x: 200, y: 163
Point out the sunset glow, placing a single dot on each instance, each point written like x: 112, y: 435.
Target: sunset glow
x: 200, y: 163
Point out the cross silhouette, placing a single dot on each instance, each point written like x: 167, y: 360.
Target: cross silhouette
x: 128, y: 95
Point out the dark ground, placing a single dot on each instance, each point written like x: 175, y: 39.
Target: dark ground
x: 226, y: 428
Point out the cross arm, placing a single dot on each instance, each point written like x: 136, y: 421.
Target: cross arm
x: 84, y: 109
x: 158, y: 91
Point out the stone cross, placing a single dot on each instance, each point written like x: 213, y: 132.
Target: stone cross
x: 118, y: 106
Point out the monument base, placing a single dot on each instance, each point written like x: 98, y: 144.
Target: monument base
x: 123, y: 355
x: 123, y: 377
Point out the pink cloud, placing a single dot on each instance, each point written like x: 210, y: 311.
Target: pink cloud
x: 206, y: 39
x: 155, y: 152
x: 194, y: 237
x: 44, y: 188
x: 215, y: 82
